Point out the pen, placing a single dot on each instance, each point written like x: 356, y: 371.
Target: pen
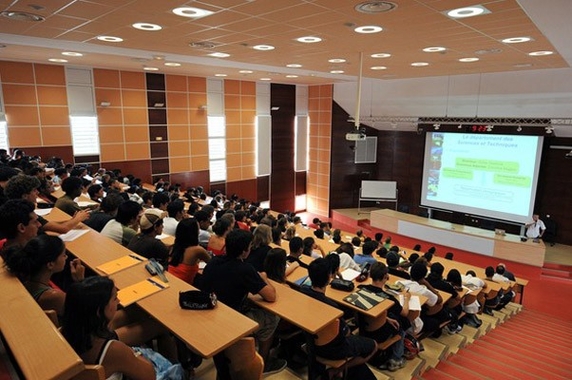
x: 155, y: 283
x: 135, y: 257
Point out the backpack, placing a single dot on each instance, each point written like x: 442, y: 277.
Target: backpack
x: 412, y: 347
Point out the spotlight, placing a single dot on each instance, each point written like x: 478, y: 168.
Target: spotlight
x: 519, y: 129
x: 549, y: 130
x: 490, y: 128
x: 436, y: 126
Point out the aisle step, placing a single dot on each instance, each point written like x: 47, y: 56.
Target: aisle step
x: 412, y: 368
x: 456, y: 371
x: 487, y: 367
x: 526, y: 339
x: 454, y: 342
x: 435, y: 374
x: 434, y: 352
x: 527, y: 349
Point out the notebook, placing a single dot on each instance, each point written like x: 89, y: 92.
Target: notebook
x: 140, y: 290
x: 121, y: 263
x: 365, y: 299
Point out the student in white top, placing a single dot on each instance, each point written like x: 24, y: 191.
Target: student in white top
x: 176, y: 210
x: 535, y: 229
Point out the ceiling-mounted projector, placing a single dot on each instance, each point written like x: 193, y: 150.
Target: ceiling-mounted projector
x: 355, y: 136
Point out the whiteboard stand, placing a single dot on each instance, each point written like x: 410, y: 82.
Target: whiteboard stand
x: 375, y: 199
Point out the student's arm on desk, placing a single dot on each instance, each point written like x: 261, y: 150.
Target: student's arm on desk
x: 268, y: 293
x: 67, y: 225
x: 431, y: 288
x: 121, y: 358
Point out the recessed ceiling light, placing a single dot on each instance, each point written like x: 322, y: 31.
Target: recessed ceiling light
x: 336, y: 71
x: 110, y: 38
x: 374, y: 7
x: 246, y: 71
x: 516, y: 40
x: 434, y: 49
x: 294, y: 65
x: 378, y: 68
x: 72, y: 54
x: 475, y: 10
x: 266, y: 79
x: 172, y: 64
x: 368, y: 29
x: 147, y: 26
x: 59, y: 60
x: 336, y: 60
x: 220, y: 75
x: 419, y: 64
x: 219, y: 55
x: 22, y: 16
x: 541, y: 52
x: 263, y: 47
x: 309, y: 39
x: 151, y: 68
x: 468, y: 59
x: 522, y: 65
x: 380, y: 55
x: 191, y: 12
x: 291, y: 76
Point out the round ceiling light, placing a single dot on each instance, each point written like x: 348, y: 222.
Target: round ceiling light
x: 466, y: 12
x: 309, y: 39
x: 110, y: 39
x: 72, y: 54
x: 516, y: 40
x: 419, y: 64
x: 378, y: 68
x: 219, y: 55
x: 146, y: 26
x: 540, y: 53
x: 434, y: 49
x: 172, y: 64
x: 336, y: 60
x: 336, y: 71
x: 58, y: 60
x: 380, y: 55
x: 263, y: 47
x: 374, y: 7
x: 368, y: 29
x: 468, y: 59
x: 294, y: 65
x: 191, y: 12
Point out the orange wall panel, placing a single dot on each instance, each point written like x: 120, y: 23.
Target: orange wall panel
x: 137, y: 151
x: 110, y: 134
x: 199, y: 163
x: 199, y: 148
x: 248, y: 172
x: 233, y: 174
x: 134, y: 98
x: 197, y: 100
x: 177, y: 100
x: 248, y: 102
x: 136, y: 134
x: 135, y: 116
x: 198, y: 117
x: 175, y: 83
x: 24, y: 136
x: 22, y: 115
x: 248, y: 88
x: 248, y: 117
x: 179, y: 148
x: 233, y: 146
x: 52, y: 95
x: 248, y: 145
x: 177, y: 116
x: 179, y: 164
x: 247, y: 130
x: 112, y: 96
x: 133, y: 80
x: 112, y: 152
x: 233, y: 131
x: 231, y: 87
x: 232, y: 102
x: 16, y: 72
x: 178, y: 132
x: 19, y: 94
x: 56, y: 136
x: 50, y: 74
x: 197, y: 84
x: 232, y: 117
x: 109, y: 116
x: 106, y: 78
x: 199, y: 132
x: 54, y: 116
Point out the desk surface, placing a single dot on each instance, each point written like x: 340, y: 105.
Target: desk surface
x: 39, y: 349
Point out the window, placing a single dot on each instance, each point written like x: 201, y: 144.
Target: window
x: 217, y: 148
x: 263, y: 144
x: 3, y: 132
x: 85, y: 135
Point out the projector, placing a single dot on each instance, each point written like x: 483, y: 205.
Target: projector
x: 568, y: 155
x: 355, y: 136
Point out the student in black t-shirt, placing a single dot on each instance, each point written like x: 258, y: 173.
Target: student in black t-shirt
x: 453, y: 306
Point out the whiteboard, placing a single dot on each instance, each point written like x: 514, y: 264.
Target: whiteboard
x: 379, y: 189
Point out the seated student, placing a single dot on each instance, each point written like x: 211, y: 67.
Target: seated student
x: 392, y: 260
x: 344, y: 345
x: 290, y: 233
x: 146, y: 243
x: 26, y: 187
x: 346, y: 253
x: 72, y: 188
x: 18, y: 223
x: 59, y: 175
x: 231, y: 279
x: 366, y: 256
x: 217, y: 241
x: 95, y: 193
x: 35, y: 263
x: 397, y: 322
x: 418, y: 285
x: 160, y: 201
x: 89, y: 307
x: 312, y: 249
x: 449, y: 255
x: 262, y: 237
x: 470, y: 306
x: 319, y: 234
x: 453, y: 306
x: 202, y: 217
x: 471, y: 281
x: 275, y: 265
x: 387, y: 243
x: 176, y: 213
x: 186, y: 252
x: 277, y: 236
x: 504, y: 296
x: 382, y: 252
x: 241, y: 220
x: 356, y: 242
x: 378, y: 237
x: 107, y: 211
x: 417, y: 248
x: 296, y: 246
x: 315, y: 223
x: 501, y: 270
x: 125, y: 225
x: 428, y: 256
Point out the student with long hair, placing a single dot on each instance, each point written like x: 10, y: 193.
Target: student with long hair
x: 262, y: 237
x: 217, y: 242
x: 186, y: 252
x: 275, y: 265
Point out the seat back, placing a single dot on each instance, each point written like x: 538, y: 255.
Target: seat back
x: 244, y: 362
x: 91, y: 372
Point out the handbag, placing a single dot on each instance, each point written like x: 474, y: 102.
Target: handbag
x: 197, y: 300
x: 344, y: 285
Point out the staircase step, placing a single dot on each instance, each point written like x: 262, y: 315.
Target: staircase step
x: 487, y: 367
x: 523, y: 337
x: 434, y: 352
x: 557, y: 266
x: 435, y: 374
x: 528, y: 350
x: 556, y: 273
x: 556, y: 366
x: 459, y: 372
x: 546, y: 321
x: 454, y: 342
x: 541, y: 330
x: 471, y: 333
x: 412, y: 368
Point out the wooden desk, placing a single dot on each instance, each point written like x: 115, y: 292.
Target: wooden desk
x: 39, y: 349
x: 207, y: 332
x: 471, y: 239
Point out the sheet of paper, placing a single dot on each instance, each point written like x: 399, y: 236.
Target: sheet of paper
x: 42, y: 211
x: 350, y: 274
x: 162, y: 236
x: 85, y: 203
x: 414, y: 303
x: 140, y: 290
x: 121, y: 263
x: 74, y: 234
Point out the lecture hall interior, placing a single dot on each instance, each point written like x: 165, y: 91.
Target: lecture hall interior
x: 257, y: 97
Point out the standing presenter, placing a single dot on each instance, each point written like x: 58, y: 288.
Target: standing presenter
x: 535, y: 229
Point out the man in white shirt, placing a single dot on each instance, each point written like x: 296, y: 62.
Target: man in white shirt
x: 204, y: 223
x: 535, y: 229
x: 176, y: 210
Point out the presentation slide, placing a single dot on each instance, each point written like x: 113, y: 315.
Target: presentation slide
x: 480, y: 174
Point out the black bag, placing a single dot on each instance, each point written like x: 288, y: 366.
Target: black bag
x: 197, y: 300
x: 344, y: 285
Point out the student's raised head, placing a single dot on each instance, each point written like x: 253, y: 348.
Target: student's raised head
x: 72, y: 186
x: 471, y: 273
x: 22, y: 187
x: 382, y: 252
x: 437, y: 270
x: 428, y: 256
x: 7, y: 172
x: 417, y: 247
x: 378, y: 236
x: 275, y: 264
x: 500, y: 269
x: 392, y: 259
x: 237, y: 242
x: 432, y: 250
x: 356, y: 241
x: 296, y: 244
x: 319, y: 233
x: 160, y: 200
x: 89, y: 307
x: 454, y: 278
x: 152, y: 221
x: 320, y: 272
x: 308, y: 245
x: 347, y: 248
x: 94, y: 190
x: 418, y: 271
x: 44, y: 252
x: 334, y: 261
x: 110, y: 203
x: 413, y: 257
x: 127, y: 212
x: 176, y: 208
x: 369, y: 247
x: 276, y: 235
x: 337, y: 239
x: 17, y: 217
x: 394, y: 248
x: 449, y: 255
x: 262, y: 236
x: 290, y: 233
x: 489, y: 271
x: 221, y: 226
x: 378, y: 272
